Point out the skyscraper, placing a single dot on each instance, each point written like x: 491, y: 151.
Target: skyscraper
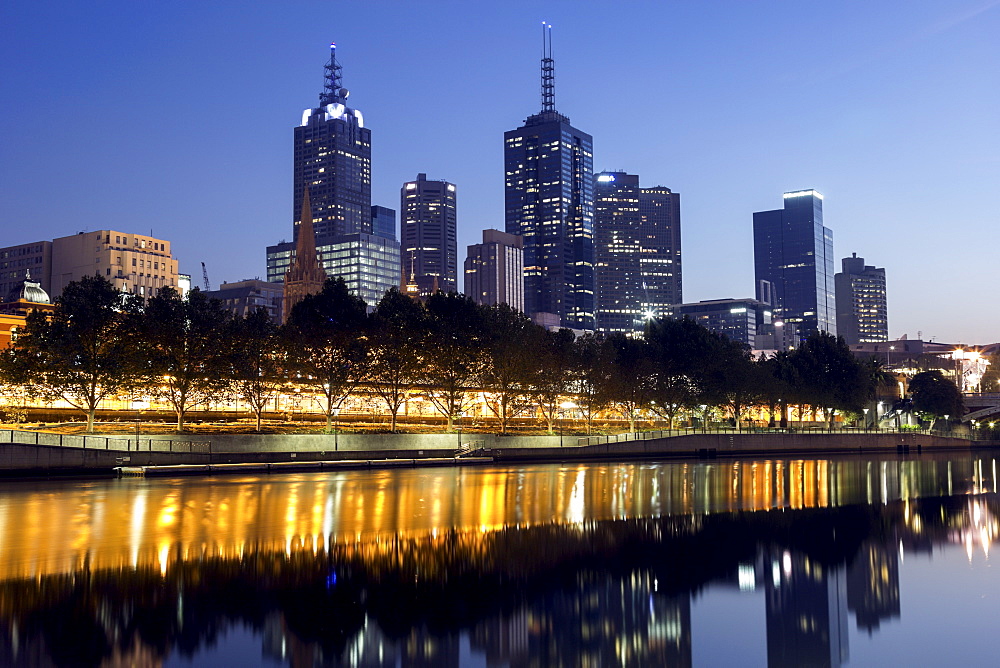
x: 333, y: 155
x: 429, y: 238
x: 494, y: 270
x: 793, y: 261
x: 549, y: 202
x: 637, y: 252
x: 862, y: 313
x: 333, y: 159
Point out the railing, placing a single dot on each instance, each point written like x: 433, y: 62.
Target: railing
x: 110, y: 443
x: 690, y: 431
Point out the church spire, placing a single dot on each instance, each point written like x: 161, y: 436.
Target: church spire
x: 305, y: 275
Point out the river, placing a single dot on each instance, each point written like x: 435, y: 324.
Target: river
x: 841, y: 561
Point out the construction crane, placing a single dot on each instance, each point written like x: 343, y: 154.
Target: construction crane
x: 204, y: 276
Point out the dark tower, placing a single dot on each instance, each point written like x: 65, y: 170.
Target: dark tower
x: 333, y: 157
x: 428, y: 233
x: 549, y: 201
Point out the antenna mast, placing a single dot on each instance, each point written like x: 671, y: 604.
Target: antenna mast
x: 548, y: 70
x: 333, y: 84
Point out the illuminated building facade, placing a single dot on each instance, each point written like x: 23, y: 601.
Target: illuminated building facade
x: 637, y: 252
x: 549, y: 202
x: 862, y: 312
x: 429, y: 235
x: 793, y: 253
x: 134, y: 263
x: 494, y: 270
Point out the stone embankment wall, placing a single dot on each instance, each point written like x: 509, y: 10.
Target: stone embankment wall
x: 18, y: 453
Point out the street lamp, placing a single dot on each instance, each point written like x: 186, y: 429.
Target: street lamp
x: 946, y: 423
x: 138, y: 405
x: 866, y: 417
x: 704, y: 418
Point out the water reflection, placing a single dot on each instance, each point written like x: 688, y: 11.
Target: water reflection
x: 589, y: 564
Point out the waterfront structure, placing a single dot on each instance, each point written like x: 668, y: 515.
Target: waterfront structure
x: 333, y: 159
x: 637, y: 252
x: 304, y: 275
x: 494, y: 270
x: 862, y: 312
x: 384, y: 222
x: 549, y: 202
x: 793, y: 262
x: 241, y: 298
x: 428, y: 233
x: 16, y: 262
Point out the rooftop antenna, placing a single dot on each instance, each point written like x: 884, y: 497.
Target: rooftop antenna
x: 333, y: 86
x: 548, y: 70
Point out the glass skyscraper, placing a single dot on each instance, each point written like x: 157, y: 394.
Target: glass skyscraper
x: 549, y: 202
x: 637, y: 252
x: 793, y: 262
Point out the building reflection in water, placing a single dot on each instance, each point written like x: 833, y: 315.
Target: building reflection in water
x: 591, y: 564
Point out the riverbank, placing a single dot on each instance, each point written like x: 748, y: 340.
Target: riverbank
x: 74, y: 455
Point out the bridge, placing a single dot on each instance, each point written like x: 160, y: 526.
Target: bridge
x: 981, y: 406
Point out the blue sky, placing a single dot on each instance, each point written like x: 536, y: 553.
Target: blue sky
x: 177, y: 118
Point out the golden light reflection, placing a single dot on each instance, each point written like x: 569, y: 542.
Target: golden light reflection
x: 54, y: 528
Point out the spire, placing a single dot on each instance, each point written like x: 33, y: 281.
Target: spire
x: 305, y: 276
x: 333, y: 90
x: 548, y: 70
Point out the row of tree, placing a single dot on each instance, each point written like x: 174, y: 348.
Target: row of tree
x: 99, y: 343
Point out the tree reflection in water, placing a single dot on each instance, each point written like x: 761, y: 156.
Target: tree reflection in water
x: 597, y: 589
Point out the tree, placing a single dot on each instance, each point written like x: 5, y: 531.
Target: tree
x: 629, y: 384
x: 397, y: 332
x: 327, y: 346
x: 832, y: 377
x: 508, y: 374
x: 454, y: 352
x: 257, y: 361
x: 589, y: 378
x: 936, y: 396
x: 84, y: 352
x: 681, y: 352
x: 185, y: 348
x: 551, y: 380
x: 735, y: 379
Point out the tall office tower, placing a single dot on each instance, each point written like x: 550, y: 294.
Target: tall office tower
x: 305, y: 276
x: 494, y: 270
x: 333, y: 158
x: 637, y: 252
x: 862, y: 313
x: 428, y: 234
x: 549, y: 202
x: 384, y: 222
x: 793, y: 252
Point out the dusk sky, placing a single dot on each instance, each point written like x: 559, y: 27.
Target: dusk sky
x: 177, y: 118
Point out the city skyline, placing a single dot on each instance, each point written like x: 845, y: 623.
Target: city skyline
x: 888, y: 114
